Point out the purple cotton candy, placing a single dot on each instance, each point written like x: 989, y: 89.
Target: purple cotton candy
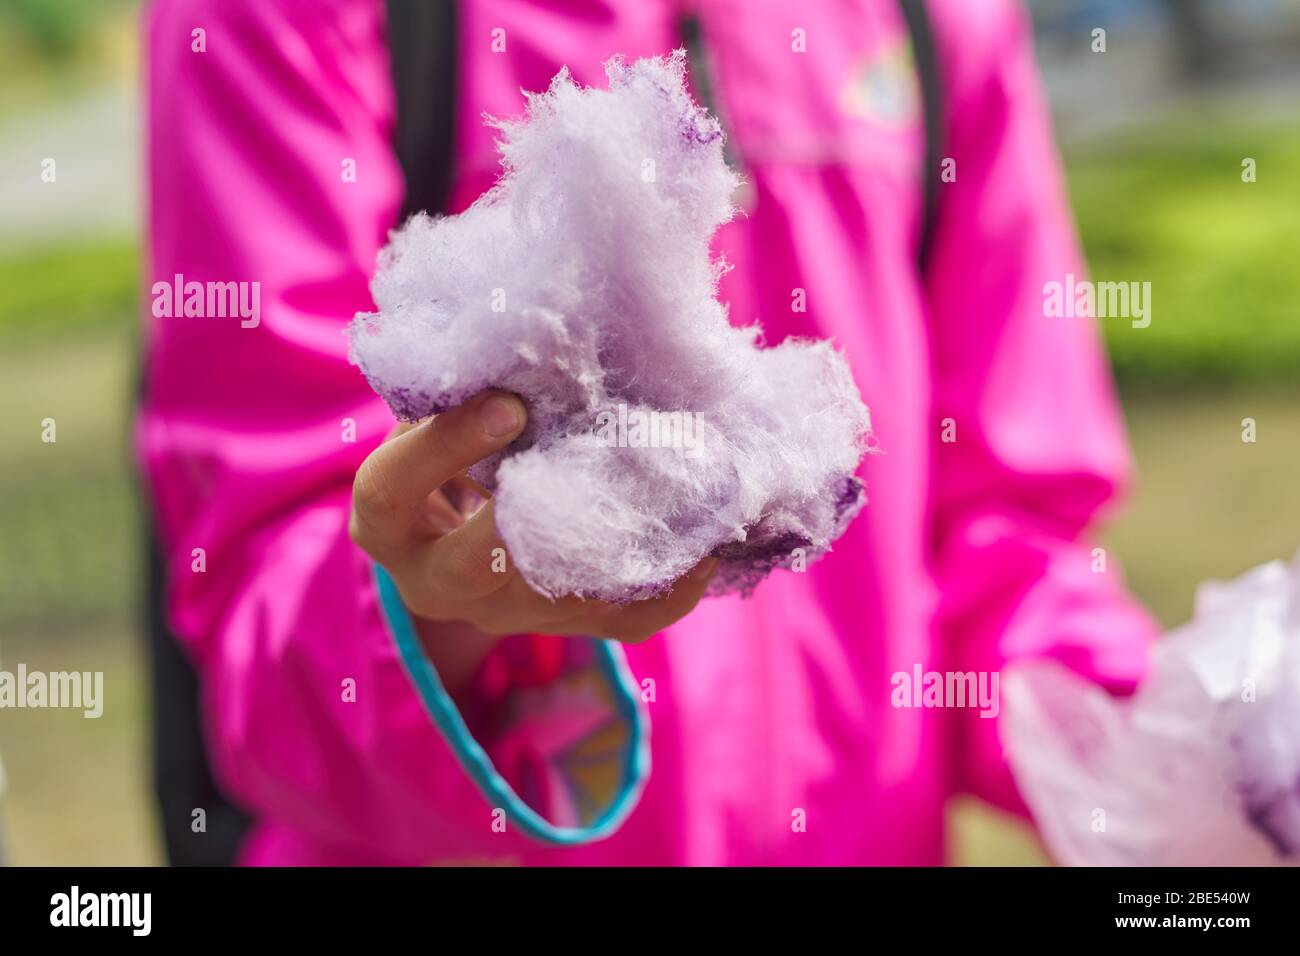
x: 1201, y: 767
x: 658, y: 433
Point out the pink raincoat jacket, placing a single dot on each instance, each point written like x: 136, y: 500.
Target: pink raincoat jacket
x: 759, y: 731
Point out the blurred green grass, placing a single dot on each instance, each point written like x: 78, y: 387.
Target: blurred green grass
x: 53, y: 30
x: 52, y: 294
x: 1166, y: 204
x: 1168, y: 207
x: 53, y: 49
x: 78, y: 789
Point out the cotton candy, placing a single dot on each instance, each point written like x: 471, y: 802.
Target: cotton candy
x: 659, y: 433
x: 1201, y: 767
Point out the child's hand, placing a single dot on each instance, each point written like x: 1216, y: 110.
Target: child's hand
x: 408, y: 513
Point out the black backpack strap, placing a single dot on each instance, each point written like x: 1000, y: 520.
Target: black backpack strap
x: 422, y: 38
x: 926, y: 57
x: 422, y: 41
x: 182, y: 775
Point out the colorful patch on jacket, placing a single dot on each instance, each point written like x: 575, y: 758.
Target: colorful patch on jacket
x: 883, y: 89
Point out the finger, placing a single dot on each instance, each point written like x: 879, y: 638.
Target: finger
x: 452, y: 505
x: 402, y: 428
x: 393, y: 483
x: 517, y: 607
x: 639, y: 621
x: 467, y: 565
x: 466, y: 494
x: 441, y: 514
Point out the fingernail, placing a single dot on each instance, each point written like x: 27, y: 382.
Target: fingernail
x: 501, y: 416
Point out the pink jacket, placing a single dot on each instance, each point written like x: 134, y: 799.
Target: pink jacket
x: 755, y: 731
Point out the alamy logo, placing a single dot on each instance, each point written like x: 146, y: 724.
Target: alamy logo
x: 208, y: 300
x: 75, y: 690
x: 74, y: 908
x: 634, y: 428
x: 1102, y: 300
x: 947, y: 689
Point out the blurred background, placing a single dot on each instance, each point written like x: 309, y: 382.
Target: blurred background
x: 1154, y: 132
